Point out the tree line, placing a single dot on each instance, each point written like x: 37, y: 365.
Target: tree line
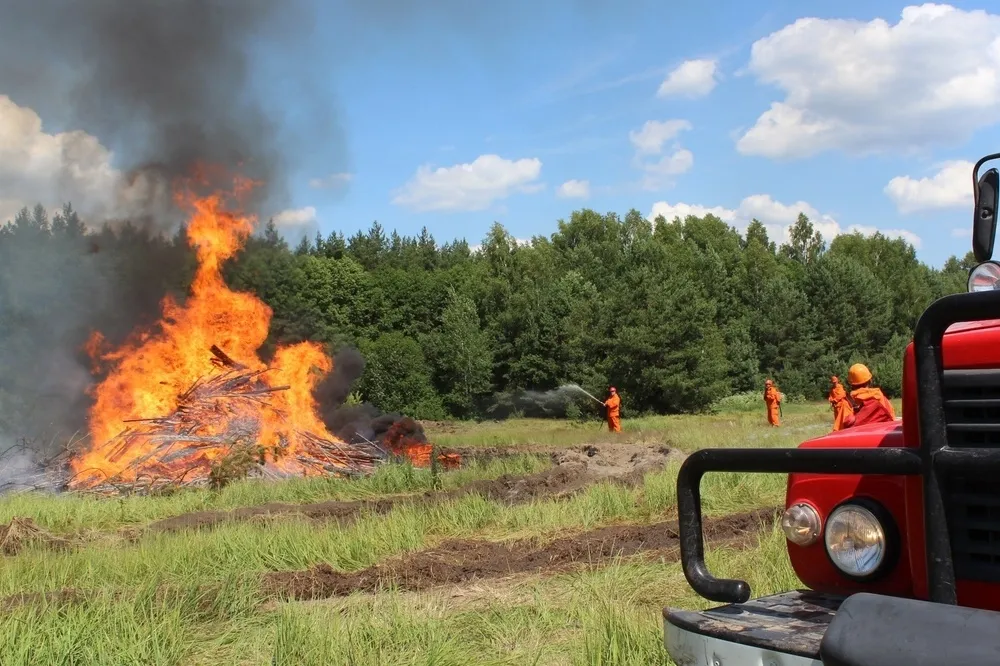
x: 675, y: 313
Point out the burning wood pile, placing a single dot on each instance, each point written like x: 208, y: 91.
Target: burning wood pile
x: 185, y: 448
x: 166, y: 412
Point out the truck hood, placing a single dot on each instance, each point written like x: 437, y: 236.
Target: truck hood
x: 887, y: 433
x: 964, y: 326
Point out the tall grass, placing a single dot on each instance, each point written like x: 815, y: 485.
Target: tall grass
x: 596, y: 616
x: 71, y: 512
x: 145, y: 626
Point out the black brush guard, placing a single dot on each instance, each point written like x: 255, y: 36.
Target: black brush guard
x: 932, y: 459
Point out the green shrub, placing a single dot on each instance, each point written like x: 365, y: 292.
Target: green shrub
x: 747, y: 401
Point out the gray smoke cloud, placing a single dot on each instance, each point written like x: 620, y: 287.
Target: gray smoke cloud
x: 21, y: 470
x: 170, y: 83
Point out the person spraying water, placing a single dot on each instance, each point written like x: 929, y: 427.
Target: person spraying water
x: 612, y: 405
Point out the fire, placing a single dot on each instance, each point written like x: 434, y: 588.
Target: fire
x: 401, y: 441
x: 170, y: 371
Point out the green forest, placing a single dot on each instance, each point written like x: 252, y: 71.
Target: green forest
x: 676, y: 314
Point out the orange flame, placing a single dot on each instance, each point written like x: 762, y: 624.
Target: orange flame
x: 400, y: 442
x: 150, y: 372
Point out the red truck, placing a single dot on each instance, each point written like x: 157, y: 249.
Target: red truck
x: 893, y: 528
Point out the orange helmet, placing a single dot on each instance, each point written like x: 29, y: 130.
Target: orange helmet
x: 859, y: 374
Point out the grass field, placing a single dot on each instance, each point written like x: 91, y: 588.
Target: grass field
x: 526, y: 555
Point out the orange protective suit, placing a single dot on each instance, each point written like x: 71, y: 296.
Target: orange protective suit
x: 872, y: 407
x: 614, y: 412
x: 772, y: 398
x: 839, y: 403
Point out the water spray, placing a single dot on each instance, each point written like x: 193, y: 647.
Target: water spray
x: 577, y: 387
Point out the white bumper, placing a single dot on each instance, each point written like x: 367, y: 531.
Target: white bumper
x: 778, y: 630
x: 687, y: 648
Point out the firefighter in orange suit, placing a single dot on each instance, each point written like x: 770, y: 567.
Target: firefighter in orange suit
x: 613, y: 405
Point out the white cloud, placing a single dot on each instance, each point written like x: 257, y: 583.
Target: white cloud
x: 650, y: 140
x: 950, y: 187
x: 574, y: 189
x: 671, y: 165
x: 692, y: 78
x: 51, y: 169
x: 654, y: 133
x: 682, y: 210
x: 933, y: 77
x: 470, y: 186
x: 660, y: 174
x: 294, y: 224
x: 296, y: 217
x: 72, y: 167
x: 777, y: 218
x: 331, y: 181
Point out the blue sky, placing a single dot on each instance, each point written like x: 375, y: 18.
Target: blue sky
x: 862, y: 116
x: 567, y: 88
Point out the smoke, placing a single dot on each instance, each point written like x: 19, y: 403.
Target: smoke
x: 354, y: 422
x: 332, y: 392
x: 566, y: 401
x: 22, y: 469
x: 17, y: 469
x: 170, y: 84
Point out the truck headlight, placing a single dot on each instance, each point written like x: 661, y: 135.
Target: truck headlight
x: 856, y: 540
x: 801, y: 524
x: 984, y: 277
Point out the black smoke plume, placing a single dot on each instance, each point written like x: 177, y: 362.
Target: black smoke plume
x: 170, y: 84
x: 356, y: 422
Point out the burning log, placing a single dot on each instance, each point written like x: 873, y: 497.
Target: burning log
x: 221, y: 358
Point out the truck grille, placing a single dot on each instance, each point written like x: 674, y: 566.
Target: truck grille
x: 972, y: 500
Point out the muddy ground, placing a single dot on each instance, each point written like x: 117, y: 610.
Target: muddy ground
x: 464, y: 561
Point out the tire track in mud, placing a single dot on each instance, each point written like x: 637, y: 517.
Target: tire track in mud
x: 458, y: 561
x: 464, y: 561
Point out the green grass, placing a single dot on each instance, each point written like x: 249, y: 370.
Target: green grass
x: 604, y: 615
x: 295, y: 543
x: 598, y: 615
x: 607, y: 616
x: 69, y: 513
x: 688, y: 433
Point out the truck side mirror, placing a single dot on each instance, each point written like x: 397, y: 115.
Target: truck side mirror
x: 984, y: 222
